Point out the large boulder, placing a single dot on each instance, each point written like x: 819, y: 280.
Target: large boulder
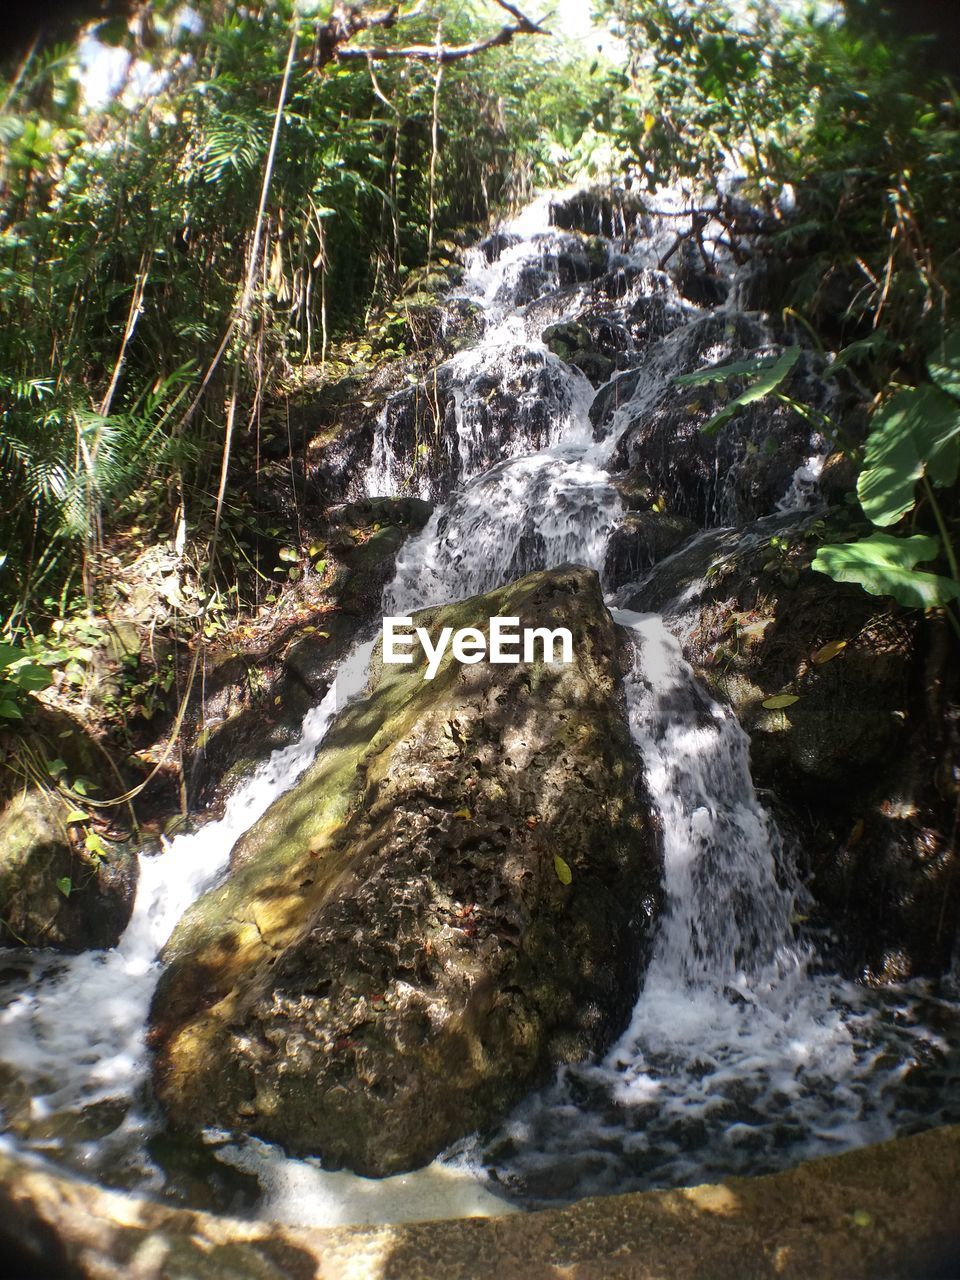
x: 398, y: 955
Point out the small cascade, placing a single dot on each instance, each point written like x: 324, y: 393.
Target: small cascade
x: 729, y: 896
x: 535, y: 512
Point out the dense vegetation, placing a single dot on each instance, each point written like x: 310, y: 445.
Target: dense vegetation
x: 134, y: 317
x: 247, y: 216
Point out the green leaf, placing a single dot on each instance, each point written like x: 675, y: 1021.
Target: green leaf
x: 944, y: 367
x: 31, y: 678
x: 884, y: 566
x: 564, y: 874
x: 872, y: 345
x: 9, y: 710
x: 914, y: 433
x: 65, y: 885
x: 770, y: 380
x: 95, y: 846
x: 76, y: 815
x: 780, y: 701
x: 721, y: 372
x: 10, y: 653
x: 288, y: 554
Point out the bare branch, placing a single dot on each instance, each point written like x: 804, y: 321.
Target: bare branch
x: 526, y: 24
x: 347, y: 20
x: 444, y: 54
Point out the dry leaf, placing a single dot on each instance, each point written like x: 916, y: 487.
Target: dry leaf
x: 829, y: 652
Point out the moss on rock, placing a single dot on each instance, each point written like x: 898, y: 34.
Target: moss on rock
x: 394, y: 960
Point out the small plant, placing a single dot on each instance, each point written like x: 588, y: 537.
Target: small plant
x: 19, y: 676
x: 768, y: 372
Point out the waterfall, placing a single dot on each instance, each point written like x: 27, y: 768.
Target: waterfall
x: 739, y: 1055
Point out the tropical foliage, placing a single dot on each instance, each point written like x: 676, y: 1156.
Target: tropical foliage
x: 128, y: 231
x: 854, y: 148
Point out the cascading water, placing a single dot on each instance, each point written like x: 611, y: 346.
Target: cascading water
x: 739, y: 1055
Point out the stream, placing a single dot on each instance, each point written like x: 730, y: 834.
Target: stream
x: 742, y: 1053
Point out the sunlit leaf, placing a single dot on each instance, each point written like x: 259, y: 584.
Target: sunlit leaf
x: 564, y: 874
x: 780, y: 701
x: 829, y: 651
x: 915, y: 433
x: 769, y: 381
x: 885, y: 566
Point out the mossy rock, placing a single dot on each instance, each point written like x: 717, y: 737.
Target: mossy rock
x: 395, y: 959
x: 53, y: 893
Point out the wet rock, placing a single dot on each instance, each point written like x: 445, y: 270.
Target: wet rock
x: 696, y: 281
x: 639, y: 541
x: 598, y: 211
x: 480, y: 408
x: 395, y: 959
x: 743, y: 470
x: 462, y: 323
x: 493, y: 246
x: 567, y: 339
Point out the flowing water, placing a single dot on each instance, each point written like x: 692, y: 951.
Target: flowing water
x: 740, y: 1055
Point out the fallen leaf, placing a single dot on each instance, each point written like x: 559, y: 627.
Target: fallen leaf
x: 564, y: 874
x: 462, y: 813
x: 829, y: 652
x: 780, y: 701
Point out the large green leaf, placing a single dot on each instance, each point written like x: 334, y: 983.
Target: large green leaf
x: 884, y: 566
x: 31, y: 678
x: 944, y: 366
x: 914, y: 434
x: 10, y: 653
x: 721, y: 372
x: 768, y: 382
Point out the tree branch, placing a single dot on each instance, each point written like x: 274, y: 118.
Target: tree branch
x: 441, y: 54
